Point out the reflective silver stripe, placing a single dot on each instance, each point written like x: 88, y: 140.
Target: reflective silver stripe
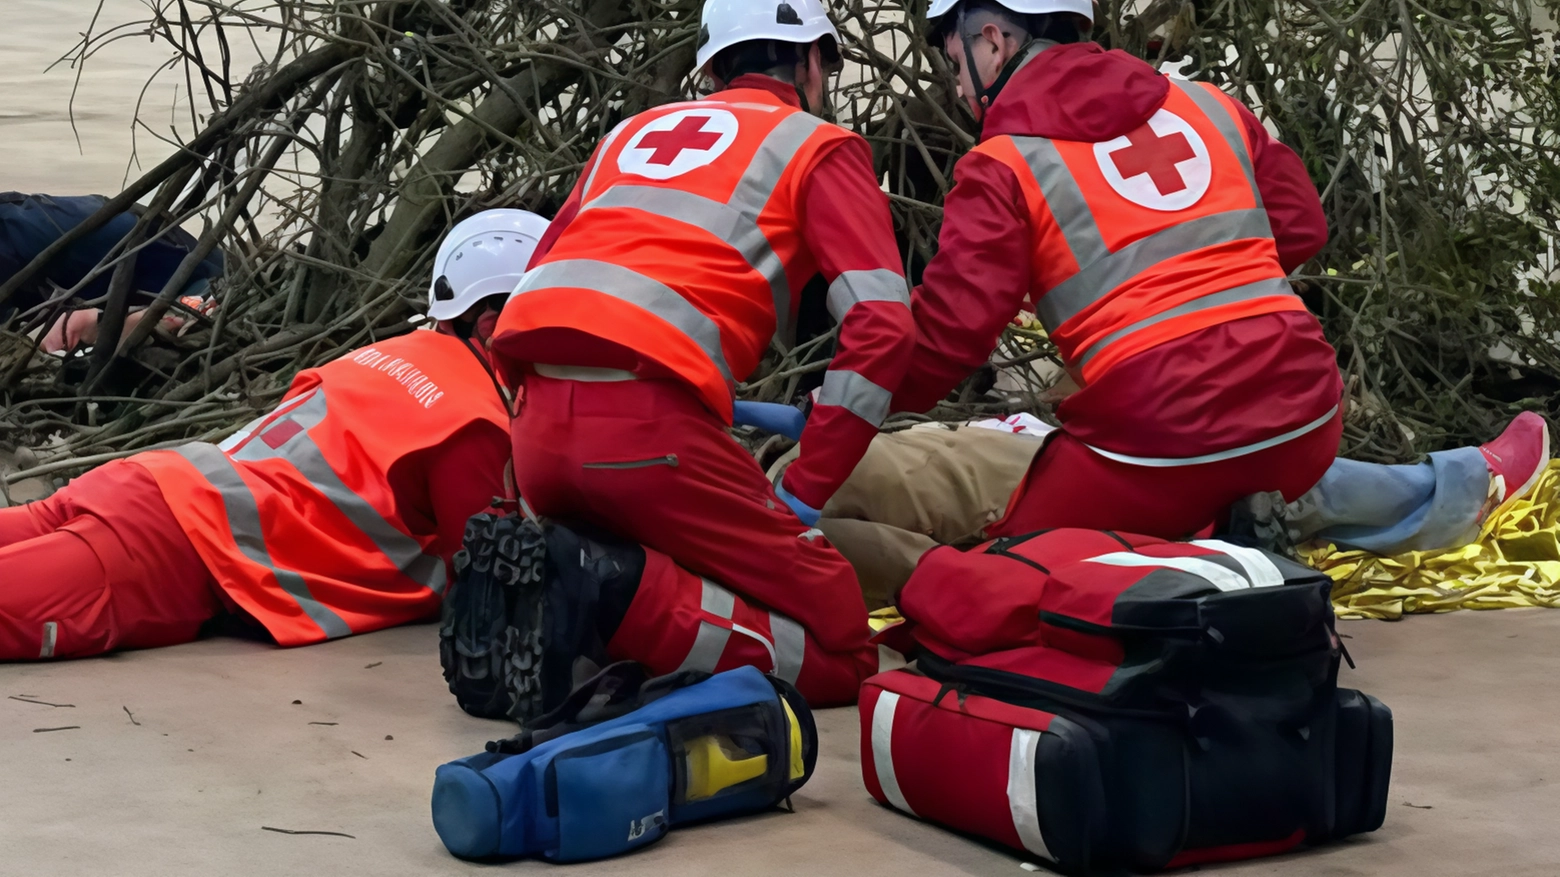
x: 1269, y: 288
x: 305, y: 455
x: 1023, y: 803
x: 883, y: 750
x: 1102, y: 277
x: 1243, y: 450
x: 774, y: 155
x: 710, y: 642
x: 1066, y: 202
x: 51, y: 638
x: 249, y: 428
x: 601, y: 155
x: 725, y: 221
x: 856, y: 394
x: 853, y: 287
x: 243, y: 514
x: 1260, y: 568
x: 644, y: 292
x: 757, y: 186
x: 1219, y: 114
x: 759, y: 638
x: 790, y: 646
x: 735, y: 221
x: 1220, y: 577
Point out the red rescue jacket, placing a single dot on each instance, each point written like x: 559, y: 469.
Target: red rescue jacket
x: 1193, y: 388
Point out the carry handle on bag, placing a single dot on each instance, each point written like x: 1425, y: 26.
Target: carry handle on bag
x: 623, y: 761
x: 1243, y: 599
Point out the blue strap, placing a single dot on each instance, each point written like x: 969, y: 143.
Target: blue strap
x: 770, y: 417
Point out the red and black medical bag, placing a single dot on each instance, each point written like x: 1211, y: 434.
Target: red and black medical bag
x: 1162, y: 704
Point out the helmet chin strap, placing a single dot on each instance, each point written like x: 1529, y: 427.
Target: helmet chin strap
x: 984, y: 95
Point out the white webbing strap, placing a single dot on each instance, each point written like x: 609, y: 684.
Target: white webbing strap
x: 1220, y: 577
x: 1022, y: 799
x: 883, y: 750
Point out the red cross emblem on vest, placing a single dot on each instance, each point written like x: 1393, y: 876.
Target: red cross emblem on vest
x: 675, y: 143
x: 1156, y: 156
x: 1163, y: 164
x: 666, y: 146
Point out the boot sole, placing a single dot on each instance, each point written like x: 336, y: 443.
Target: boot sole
x: 524, y: 641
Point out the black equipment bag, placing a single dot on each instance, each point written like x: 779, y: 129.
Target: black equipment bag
x: 1181, y: 707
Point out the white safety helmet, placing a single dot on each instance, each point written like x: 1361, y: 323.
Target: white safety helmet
x: 482, y: 255
x: 1085, y: 8
x: 725, y: 23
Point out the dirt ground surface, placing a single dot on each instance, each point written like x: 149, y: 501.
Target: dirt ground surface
x: 174, y: 761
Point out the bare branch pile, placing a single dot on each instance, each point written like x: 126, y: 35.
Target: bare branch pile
x: 327, y: 173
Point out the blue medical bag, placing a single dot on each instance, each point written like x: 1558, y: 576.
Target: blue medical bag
x: 624, y: 760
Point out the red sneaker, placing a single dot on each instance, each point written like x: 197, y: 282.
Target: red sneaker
x: 1517, y: 457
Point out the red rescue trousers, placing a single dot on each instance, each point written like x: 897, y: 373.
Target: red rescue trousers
x: 732, y: 577
x: 100, y: 565
x: 1069, y: 485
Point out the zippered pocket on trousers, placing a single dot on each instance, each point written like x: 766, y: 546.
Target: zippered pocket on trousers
x: 663, y: 460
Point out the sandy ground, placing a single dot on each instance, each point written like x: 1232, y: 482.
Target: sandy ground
x: 180, y: 756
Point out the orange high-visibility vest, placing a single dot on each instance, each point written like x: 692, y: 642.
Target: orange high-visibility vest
x: 295, y: 515
x: 688, y: 245
x: 1148, y: 237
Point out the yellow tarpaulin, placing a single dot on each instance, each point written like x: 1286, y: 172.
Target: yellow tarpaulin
x: 880, y: 619
x: 1515, y: 562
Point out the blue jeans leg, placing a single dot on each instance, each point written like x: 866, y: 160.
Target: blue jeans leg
x: 1392, y: 509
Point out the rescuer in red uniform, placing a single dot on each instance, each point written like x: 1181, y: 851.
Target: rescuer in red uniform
x: 682, y: 251
x: 337, y: 513
x: 1150, y: 222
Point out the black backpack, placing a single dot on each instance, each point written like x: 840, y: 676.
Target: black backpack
x: 1191, y: 712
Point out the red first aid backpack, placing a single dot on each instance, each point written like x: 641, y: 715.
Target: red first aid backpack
x: 1154, y: 705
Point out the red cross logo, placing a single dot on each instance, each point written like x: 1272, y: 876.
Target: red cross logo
x: 1149, y: 153
x: 678, y: 142
x: 1162, y: 165
x: 689, y: 133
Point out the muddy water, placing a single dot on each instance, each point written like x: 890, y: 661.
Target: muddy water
x: 39, y: 152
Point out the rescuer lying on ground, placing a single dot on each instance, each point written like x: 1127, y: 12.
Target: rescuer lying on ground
x: 919, y: 488
x: 1151, y: 222
x: 681, y: 252
x: 335, y: 514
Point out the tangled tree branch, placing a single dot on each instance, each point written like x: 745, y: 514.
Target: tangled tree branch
x: 327, y: 173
